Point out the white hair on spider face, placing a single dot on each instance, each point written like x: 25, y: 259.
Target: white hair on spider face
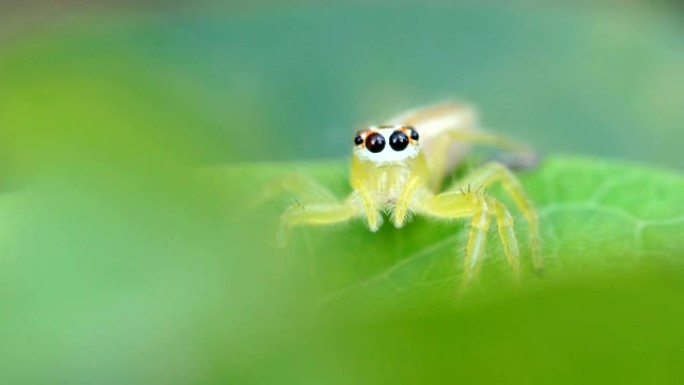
x: 387, y: 144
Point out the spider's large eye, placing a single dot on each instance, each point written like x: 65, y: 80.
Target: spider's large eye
x: 375, y: 142
x: 398, y: 141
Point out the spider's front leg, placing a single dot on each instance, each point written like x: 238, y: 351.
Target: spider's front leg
x: 302, y: 186
x: 453, y: 205
x: 320, y: 213
x: 465, y: 204
x: 494, y: 172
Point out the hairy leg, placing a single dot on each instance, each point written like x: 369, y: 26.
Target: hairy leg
x: 316, y: 214
x: 302, y: 186
x: 495, y: 172
x: 441, y: 159
x: 454, y: 204
x: 462, y: 204
x: 504, y: 224
x: 487, y: 139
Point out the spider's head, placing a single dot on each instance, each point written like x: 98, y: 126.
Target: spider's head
x: 386, y: 144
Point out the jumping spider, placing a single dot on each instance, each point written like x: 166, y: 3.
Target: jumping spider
x: 397, y: 168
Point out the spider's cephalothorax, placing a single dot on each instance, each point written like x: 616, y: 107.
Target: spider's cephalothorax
x: 384, y: 160
x: 392, y: 171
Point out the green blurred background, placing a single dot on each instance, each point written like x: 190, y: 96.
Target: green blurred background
x: 602, y: 79
x: 119, y: 264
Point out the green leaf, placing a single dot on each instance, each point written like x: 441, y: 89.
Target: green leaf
x: 595, y: 216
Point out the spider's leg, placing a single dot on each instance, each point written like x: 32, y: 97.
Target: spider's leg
x: 300, y: 185
x: 495, y: 172
x: 487, y: 139
x: 316, y: 214
x: 477, y: 240
x: 454, y: 204
x: 504, y: 224
x: 438, y: 158
x: 439, y: 153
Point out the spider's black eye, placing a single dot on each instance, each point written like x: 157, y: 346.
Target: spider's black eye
x: 375, y: 142
x: 358, y: 140
x: 414, y: 134
x: 398, y: 141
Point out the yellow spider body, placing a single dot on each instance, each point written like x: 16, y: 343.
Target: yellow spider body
x: 384, y: 187
x: 397, y: 169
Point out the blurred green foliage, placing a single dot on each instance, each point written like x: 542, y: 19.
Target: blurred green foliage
x: 124, y: 260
